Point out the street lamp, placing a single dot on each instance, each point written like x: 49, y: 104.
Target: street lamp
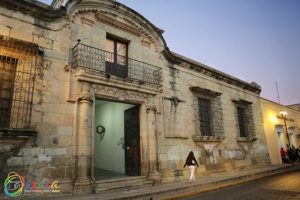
x: 283, y: 115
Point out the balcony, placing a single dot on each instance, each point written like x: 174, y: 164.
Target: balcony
x: 111, y: 65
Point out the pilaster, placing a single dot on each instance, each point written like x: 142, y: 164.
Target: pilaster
x: 153, y: 168
x: 83, y: 155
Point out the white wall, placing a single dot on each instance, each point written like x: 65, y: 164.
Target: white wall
x: 109, y: 154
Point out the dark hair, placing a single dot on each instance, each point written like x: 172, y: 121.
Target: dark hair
x: 191, y: 154
x: 190, y: 158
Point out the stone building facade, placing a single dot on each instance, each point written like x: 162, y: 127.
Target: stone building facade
x: 91, y: 90
x: 281, y: 131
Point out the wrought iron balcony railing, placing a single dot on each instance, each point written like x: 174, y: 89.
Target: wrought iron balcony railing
x: 107, y: 64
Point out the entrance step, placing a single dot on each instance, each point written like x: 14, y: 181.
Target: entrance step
x: 121, y: 184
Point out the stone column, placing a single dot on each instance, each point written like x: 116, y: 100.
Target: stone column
x: 153, y: 173
x: 83, y: 155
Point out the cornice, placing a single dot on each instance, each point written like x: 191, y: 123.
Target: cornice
x: 117, y: 24
x: 36, y: 9
x: 205, y: 91
x: 183, y: 61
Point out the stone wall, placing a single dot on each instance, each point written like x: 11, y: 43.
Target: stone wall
x: 223, y: 155
x: 50, y: 154
x: 64, y: 101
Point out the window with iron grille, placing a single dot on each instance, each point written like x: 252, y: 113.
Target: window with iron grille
x: 242, y: 121
x: 17, y: 75
x: 208, y: 115
x: 245, y: 122
x: 116, y: 58
x: 7, y: 79
x: 205, y: 116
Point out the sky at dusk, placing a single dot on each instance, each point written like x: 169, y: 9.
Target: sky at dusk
x: 253, y: 40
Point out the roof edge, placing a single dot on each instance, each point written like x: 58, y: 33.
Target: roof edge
x: 34, y: 8
x: 176, y: 58
x: 286, y: 106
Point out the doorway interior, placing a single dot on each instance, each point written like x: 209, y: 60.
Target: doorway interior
x: 117, y: 140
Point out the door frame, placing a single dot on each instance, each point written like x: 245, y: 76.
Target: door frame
x: 114, y: 100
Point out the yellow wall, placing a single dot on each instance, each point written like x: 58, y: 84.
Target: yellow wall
x: 273, y: 124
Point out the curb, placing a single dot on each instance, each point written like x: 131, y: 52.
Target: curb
x: 203, y: 188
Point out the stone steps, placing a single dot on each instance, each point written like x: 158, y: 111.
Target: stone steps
x: 121, y: 184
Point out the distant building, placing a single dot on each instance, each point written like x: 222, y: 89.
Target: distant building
x: 90, y: 91
x: 281, y: 130
x: 295, y: 106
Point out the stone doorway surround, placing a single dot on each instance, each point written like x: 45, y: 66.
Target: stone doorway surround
x: 85, y: 88
x: 117, y: 148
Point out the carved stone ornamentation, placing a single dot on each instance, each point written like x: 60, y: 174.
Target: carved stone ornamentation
x: 119, y: 94
x: 117, y: 24
x: 204, y: 91
x: 86, y: 97
x: 150, y: 108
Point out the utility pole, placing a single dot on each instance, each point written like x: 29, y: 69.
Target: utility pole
x: 284, y: 117
x: 277, y: 92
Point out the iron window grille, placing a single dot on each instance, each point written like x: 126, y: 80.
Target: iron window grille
x: 245, y: 122
x: 242, y: 121
x: 205, y: 116
x: 208, y: 114
x: 17, y: 78
x: 108, y: 63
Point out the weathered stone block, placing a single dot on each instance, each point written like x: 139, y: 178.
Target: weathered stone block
x: 42, y: 41
x: 55, y: 151
x: 15, y: 161
x: 64, y: 130
x: 31, y: 152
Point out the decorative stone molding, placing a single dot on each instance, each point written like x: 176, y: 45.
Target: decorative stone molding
x: 208, y: 71
x: 87, y: 21
x: 199, y: 138
x: 175, y: 100
x: 36, y: 9
x: 150, y: 108
x: 18, y: 133
x: 86, y: 97
x: 111, y: 86
x: 241, y: 102
x: 117, y: 24
x: 279, y: 125
x: 67, y: 68
x: 204, y: 91
x: 246, y: 139
x: 292, y: 127
x: 119, y: 94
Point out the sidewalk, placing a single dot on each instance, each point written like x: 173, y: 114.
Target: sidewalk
x: 176, y: 190
x: 172, y: 190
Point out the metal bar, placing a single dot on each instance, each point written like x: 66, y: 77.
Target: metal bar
x: 111, y: 63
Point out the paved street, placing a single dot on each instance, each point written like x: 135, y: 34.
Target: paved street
x: 277, y: 187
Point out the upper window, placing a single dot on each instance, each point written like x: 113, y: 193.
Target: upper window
x: 116, y: 58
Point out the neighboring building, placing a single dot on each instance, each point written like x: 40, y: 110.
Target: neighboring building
x: 277, y: 126
x: 295, y: 106
x: 90, y: 91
